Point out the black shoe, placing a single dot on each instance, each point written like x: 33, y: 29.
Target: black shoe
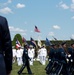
x: 18, y: 73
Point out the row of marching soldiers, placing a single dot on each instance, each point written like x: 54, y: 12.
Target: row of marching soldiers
x: 61, y: 60
x: 41, y: 55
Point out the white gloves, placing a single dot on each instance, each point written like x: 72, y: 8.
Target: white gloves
x: 69, y: 55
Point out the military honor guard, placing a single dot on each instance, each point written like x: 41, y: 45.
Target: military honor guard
x: 52, y: 58
x: 71, y: 61
x: 26, y: 59
x: 62, y: 59
x: 19, y: 56
x: 31, y: 54
x: 14, y: 54
x: 43, y: 53
x: 39, y: 54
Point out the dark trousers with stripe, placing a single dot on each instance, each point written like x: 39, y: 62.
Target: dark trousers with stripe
x: 26, y: 64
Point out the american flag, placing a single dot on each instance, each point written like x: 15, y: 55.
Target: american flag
x: 17, y: 44
x: 36, y: 29
x: 32, y: 42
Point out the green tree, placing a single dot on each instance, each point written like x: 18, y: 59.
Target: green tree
x: 19, y: 37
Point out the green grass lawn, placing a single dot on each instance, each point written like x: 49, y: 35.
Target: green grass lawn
x: 37, y: 69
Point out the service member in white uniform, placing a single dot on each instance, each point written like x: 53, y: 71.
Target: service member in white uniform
x: 19, y: 56
x: 31, y: 54
x: 14, y: 54
x: 39, y: 54
x: 43, y: 53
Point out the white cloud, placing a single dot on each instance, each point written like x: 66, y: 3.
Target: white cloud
x: 72, y: 36
x: 72, y: 1
x: 72, y: 6
x: 56, y: 27
x: 72, y: 17
x: 51, y: 34
x: 6, y: 3
x: 6, y: 10
x: 20, y: 5
x: 13, y: 29
x: 63, y: 5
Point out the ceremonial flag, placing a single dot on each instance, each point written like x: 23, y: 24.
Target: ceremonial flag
x: 32, y: 42
x: 23, y: 40
x: 48, y: 43
x: 17, y: 44
x: 39, y: 43
x: 36, y: 29
x: 54, y: 38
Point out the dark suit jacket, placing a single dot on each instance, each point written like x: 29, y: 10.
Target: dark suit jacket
x: 5, y: 43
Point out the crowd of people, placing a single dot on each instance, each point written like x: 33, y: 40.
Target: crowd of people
x: 28, y: 57
x: 41, y: 55
x: 61, y: 60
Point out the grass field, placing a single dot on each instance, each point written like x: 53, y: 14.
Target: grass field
x: 37, y: 69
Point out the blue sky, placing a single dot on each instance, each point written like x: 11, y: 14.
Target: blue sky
x: 52, y: 17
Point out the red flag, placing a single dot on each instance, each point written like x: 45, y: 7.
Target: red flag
x: 36, y: 29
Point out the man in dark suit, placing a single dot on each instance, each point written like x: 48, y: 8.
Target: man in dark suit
x: 5, y: 48
x: 26, y: 59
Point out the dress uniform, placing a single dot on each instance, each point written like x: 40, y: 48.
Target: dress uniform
x: 26, y: 59
x: 14, y: 54
x: 39, y: 54
x: 62, y: 58
x: 52, y: 57
x: 31, y: 54
x: 5, y: 48
x: 71, y: 61
x: 43, y: 55
x: 19, y: 56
